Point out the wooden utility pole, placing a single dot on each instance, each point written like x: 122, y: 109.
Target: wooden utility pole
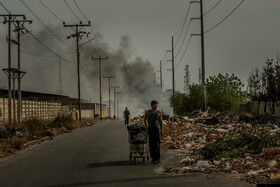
x: 15, y: 74
x: 100, y: 86
x: 115, y: 87
x: 19, y: 30
x: 78, y: 35
x: 109, y: 78
x: 201, y: 18
x: 118, y: 117
x: 9, y: 18
x: 161, y: 76
x: 202, y: 57
x: 173, y: 73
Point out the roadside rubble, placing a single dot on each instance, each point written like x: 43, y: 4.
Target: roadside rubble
x: 35, y: 131
x: 240, y: 144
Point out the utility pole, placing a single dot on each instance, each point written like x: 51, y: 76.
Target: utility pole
x: 14, y: 75
x: 59, y: 77
x: 10, y: 18
x: 187, y: 79
x: 199, y: 76
x: 19, y: 29
x: 109, y: 78
x: 115, y: 87
x: 173, y: 73
x: 155, y: 83
x: 78, y: 35
x: 202, y: 57
x: 100, y: 72
x: 118, y: 117
x: 202, y: 53
x: 160, y: 76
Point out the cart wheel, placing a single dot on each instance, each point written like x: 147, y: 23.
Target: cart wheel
x: 134, y: 160
x: 143, y: 159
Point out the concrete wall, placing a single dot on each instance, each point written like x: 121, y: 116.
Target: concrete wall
x: 33, y: 109
x: 104, y: 110
x: 269, y: 106
x: 47, y: 110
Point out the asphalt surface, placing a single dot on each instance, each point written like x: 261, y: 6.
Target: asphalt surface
x: 97, y: 155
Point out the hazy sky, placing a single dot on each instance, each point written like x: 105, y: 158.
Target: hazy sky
x: 242, y: 42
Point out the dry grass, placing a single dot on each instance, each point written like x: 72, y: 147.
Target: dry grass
x: 34, y: 128
x: 16, y: 143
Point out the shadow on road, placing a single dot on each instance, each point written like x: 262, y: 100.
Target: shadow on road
x: 115, y: 163
x: 116, y: 181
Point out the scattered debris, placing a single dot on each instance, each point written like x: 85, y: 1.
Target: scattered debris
x: 35, y: 131
x: 226, y: 142
x: 3, y: 132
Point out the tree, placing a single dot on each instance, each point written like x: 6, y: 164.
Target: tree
x: 256, y: 87
x: 179, y: 102
x: 195, y: 98
x: 272, y: 74
x: 184, y: 103
x: 224, y: 92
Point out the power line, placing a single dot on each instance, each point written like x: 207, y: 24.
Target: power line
x: 93, y: 32
x: 184, y: 53
x: 5, y: 8
x: 46, y: 27
x: 80, y: 10
x: 212, y: 8
x: 72, y: 10
x: 38, y: 55
x: 187, y: 14
x: 49, y: 48
x: 88, y: 20
x: 225, y: 17
x: 51, y: 11
x: 164, y: 59
x: 183, y: 40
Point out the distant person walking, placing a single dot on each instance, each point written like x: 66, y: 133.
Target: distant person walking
x: 126, y: 115
x: 153, y: 120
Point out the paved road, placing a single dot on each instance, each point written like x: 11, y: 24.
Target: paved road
x: 92, y: 156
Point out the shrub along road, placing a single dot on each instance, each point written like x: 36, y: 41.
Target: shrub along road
x: 93, y: 156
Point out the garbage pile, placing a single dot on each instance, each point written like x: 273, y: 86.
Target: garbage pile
x: 226, y: 142
x: 137, y: 134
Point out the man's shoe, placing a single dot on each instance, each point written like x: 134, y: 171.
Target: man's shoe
x: 156, y: 162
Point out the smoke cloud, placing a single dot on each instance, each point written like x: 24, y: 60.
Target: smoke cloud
x: 134, y: 76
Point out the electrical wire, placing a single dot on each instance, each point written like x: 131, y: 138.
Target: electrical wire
x: 184, y: 52
x: 183, y: 26
x: 5, y: 8
x: 55, y: 15
x: 49, y: 48
x: 185, y: 36
x: 46, y: 27
x: 212, y: 8
x: 93, y: 32
x: 50, y: 11
x: 38, y: 55
x: 80, y: 10
x: 225, y: 17
x: 72, y: 10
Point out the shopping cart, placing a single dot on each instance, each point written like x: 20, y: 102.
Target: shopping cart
x: 138, y: 142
